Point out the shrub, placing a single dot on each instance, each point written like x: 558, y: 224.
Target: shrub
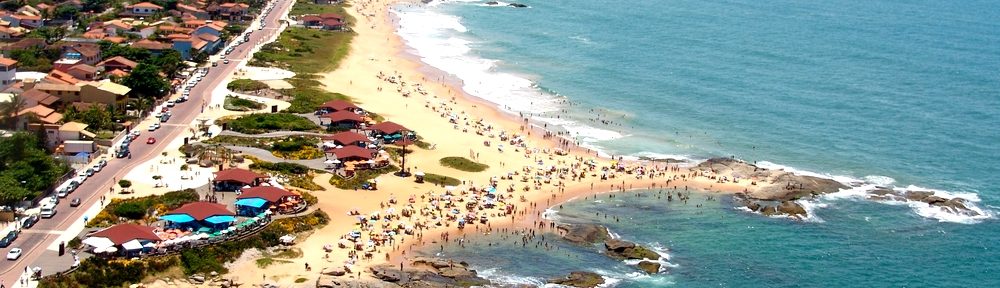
x: 441, y: 180
x: 239, y: 104
x: 132, y: 210
x: 124, y: 183
x: 281, y: 167
x: 246, y: 85
x: 260, y: 123
x: 293, y: 144
x: 461, y: 163
x: 361, y: 177
x: 136, y: 208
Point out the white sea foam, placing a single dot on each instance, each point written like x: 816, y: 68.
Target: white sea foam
x: 613, y: 235
x: 839, y: 178
x: 551, y: 214
x: 497, y: 276
x: 661, y: 156
x: 810, y: 207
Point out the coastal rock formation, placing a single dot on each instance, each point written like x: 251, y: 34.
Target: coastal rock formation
x: 492, y: 3
x: 517, y: 5
x: 649, y: 267
x: 583, y: 233
x: 772, y: 208
x: 775, y: 185
x: 956, y: 205
x: 580, y: 279
x: 333, y: 271
x: 429, y: 272
x: 627, y: 250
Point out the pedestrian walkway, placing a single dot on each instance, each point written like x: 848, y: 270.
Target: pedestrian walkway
x: 265, y: 155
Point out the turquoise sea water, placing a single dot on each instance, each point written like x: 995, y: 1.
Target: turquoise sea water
x: 902, y: 93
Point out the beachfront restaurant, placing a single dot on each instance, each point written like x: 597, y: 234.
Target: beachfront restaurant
x: 257, y: 200
x: 347, y: 139
x: 123, y: 240
x: 200, y: 217
x: 236, y: 179
x: 390, y: 132
x: 338, y: 105
x: 342, y: 120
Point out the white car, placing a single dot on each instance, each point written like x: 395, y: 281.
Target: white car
x: 96, y: 168
x: 14, y: 254
x: 154, y: 126
x: 170, y: 103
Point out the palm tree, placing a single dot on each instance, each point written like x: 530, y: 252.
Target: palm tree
x: 9, y: 109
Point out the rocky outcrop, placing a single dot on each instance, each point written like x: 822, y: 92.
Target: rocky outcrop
x: 517, y: 5
x: 429, y: 272
x: 492, y: 3
x: 334, y: 271
x: 649, y: 267
x: 954, y: 205
x: 774, y: 185
x: 772, y: 208
x: 579, y: 279
x: 583, y: 233
x: 621, y: 249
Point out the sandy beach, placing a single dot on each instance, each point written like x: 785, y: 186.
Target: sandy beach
x: 455, y: 124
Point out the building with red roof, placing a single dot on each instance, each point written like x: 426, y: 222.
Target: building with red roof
x: 344, y: 119
x: 255, y: 200
x: 347, y: 138
x: 388, y: 128
x: 235, y: 178
x: 338, y: 105
x: 352, y: 153
x: 121, y: 233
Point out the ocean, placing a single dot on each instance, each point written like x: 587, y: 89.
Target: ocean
x: 891, y: 93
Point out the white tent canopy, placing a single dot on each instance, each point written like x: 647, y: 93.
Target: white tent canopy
x: 132, y: 245
x: 98, y: 242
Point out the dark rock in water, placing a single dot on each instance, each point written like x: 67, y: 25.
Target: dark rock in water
x: 493, y: 3
x: 662, y: 160
x: 769, y: 210
x: 517, y: 5
x: 774, y: 185
x: 428, y: 272
x: 918, y: 195
x: 580, y: 279
x: 627, y: 250
x: 792, y: 209
x: 649, y: 267
x: 583, y: 233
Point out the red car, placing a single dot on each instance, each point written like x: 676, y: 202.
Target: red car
x: 151, y: 140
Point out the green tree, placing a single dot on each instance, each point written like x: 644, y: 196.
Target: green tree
x: 49, y: 33
x: 9, y: 109
x: 145, y: 81
x: 66, y: 12
x: 23, y: 158
x: 110, y: 49
x: 168, y: 62
x: 96, y: 5
x: 13, y: 191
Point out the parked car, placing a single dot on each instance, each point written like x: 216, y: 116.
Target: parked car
x: 75, y: 202
x: 225, y: 61
x: 29, y: 221
x: 102, y: 163
x: 14, y: 254
x: 8, y: 239
x: 151, y: 140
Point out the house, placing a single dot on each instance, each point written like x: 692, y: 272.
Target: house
x: 87, y: 53
x: 30, y: 21
x: 105, y: 92
x: 8, y: 68
x: 116, y: 27
x: 328, y: 21
x: 233, y: 179
x: 117, y: 63
x: 67, y: 93
x: 348, y: 138
x: 143, y: 9
x: 28, y: 10
x: 212, y: 216
x: 232, y: 11
x: 126, y: 239
x: 83, y: 72
x: 40, y: 113
x: 327, y: 2
x: 344, y: 119
x: 210, y: 28
x: 34, y: 97
x: 338, y: 105
x: 332, y: 24
x: 59, y: 77
x: 74, y: 131
x: 196, y: 12
x: 11, y: 33
x: 154, y: 47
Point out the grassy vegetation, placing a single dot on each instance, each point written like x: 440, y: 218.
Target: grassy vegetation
x: 141, y: 208
x: 246, y: 85
x: 298, y: 175
x: 303, y: 7
x: 461, y: 163
x: 262, y: 123
x: 240, y: 104
x: 441, y: 180
x: 361, y: 177
x: 308, y: 94
x: 304, y: 50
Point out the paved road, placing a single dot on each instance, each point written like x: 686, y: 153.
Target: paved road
x: 90, y: 192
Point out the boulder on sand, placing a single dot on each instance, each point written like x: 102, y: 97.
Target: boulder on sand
x: 580, y: 279
x: 333, y: 271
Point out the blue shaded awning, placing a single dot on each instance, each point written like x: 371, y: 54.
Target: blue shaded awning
x: 219, y: 219
x: 177, y: 218
x: 252, y: 202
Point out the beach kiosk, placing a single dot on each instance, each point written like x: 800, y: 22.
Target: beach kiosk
x: 235, y: 178
x: 256, y: 200
x: 122, y: 239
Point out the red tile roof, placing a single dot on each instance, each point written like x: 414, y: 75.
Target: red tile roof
x: 346, y: 138
x: 7, y: 61
x: 201, y: 210
x: 119, y: 60
x: 271, y: 194
x: 151, y: 45
x: 352, y: 152
x: 239, y: 175
x: 121, y: 233
x: 388, y: 127
x: 343, y: 115
x: 338, y: 105
x: 147, y: 5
